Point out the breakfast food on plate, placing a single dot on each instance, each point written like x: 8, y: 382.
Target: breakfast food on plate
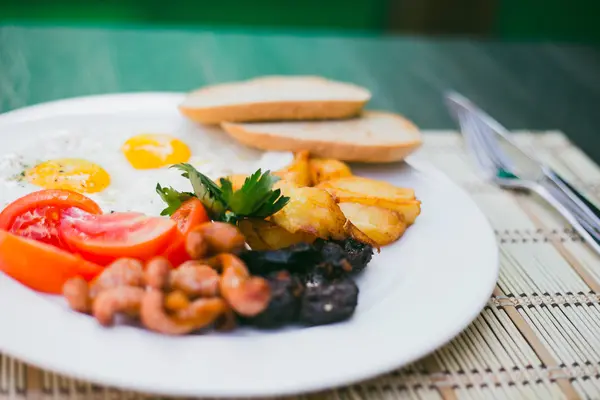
x: 373, y: 137
x: 374, y: 193
x: 228, y: 244
x: 41, y: 266
x: 193, y: 269
x: 325, y: 169
x: 153, y: 150
x: 118, y: 168
x: 381, y: 225
x: 69, y: 173
x: 265, y: 235
x: 310, y: 283
x: 298, y: 172
x: 275, y: 98
x: 176, y: 301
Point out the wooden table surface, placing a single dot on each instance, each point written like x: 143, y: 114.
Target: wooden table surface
x: 530, y: 86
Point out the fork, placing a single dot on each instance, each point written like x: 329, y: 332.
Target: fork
x: 495, y: 168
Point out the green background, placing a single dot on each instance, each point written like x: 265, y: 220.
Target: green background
x: 342, y: 14
x: 572, y: 20
x: 565, y: 20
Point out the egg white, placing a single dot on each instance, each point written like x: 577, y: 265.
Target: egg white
x: 214, y: 153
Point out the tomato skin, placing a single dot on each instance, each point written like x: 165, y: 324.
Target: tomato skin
x: 104, y: 238
x: 40, y: 266
x: 49, y: 197
x: 175, y: 251
x: 37, y: 215
x: 190, y: 214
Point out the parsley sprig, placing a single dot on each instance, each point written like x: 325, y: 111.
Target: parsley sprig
x: 172, y: 197
x: 255, y: 199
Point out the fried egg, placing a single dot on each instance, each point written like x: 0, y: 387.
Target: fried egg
x: 119, y: 162
x: 74, y: 174
x: 151, y: 151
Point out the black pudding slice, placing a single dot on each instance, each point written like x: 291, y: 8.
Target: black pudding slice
x: 294, y: 259
x: 286, y: 291
x: 358, y: 254
x: 328, y: 302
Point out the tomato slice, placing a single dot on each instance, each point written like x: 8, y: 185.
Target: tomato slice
x: 190, y: 214
x: 40, y: 266
x: 104, y: 238
x: 37, y: 215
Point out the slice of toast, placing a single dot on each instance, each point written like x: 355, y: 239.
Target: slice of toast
x: 373, y: 137
x: 275, y: 98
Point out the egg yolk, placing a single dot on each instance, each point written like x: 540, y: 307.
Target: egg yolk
x: 73, y: 174
x: 149, y: 151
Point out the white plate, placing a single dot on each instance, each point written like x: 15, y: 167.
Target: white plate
x: 415, y: 296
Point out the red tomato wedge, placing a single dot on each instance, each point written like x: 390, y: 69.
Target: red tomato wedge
x: 40, y: 266
x: 190, y: 214
x: 37, y: 215
x: 104, y: 238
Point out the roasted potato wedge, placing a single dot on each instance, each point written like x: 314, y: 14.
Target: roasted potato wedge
x: 410, y: 209
x: 310, y: 210
x: 370, y: 187
x: 265, y: 235
x: 358, y: 235
x: 327, y: 169
x: 381, y: 225
x: 297, y: 172
x: 375, y: 193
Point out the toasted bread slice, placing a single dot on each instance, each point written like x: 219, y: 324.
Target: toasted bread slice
x: 373, y: 137
x: 275, y: 98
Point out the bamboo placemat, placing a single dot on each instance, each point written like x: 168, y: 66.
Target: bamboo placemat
x: 538, y: 337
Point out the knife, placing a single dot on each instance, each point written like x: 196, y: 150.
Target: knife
x: 526, y: 166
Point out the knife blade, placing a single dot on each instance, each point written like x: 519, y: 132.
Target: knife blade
x: 526, y: 166
x: 520, y: 163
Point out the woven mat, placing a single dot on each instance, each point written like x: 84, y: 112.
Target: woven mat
x: 539, y: 335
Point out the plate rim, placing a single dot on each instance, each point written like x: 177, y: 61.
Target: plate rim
x: 43, y: 109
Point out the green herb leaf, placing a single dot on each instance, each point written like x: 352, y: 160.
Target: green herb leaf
x: 172, y: 197
x: 274, y: 203
x: 255, y: 199
x: 205, y: 190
